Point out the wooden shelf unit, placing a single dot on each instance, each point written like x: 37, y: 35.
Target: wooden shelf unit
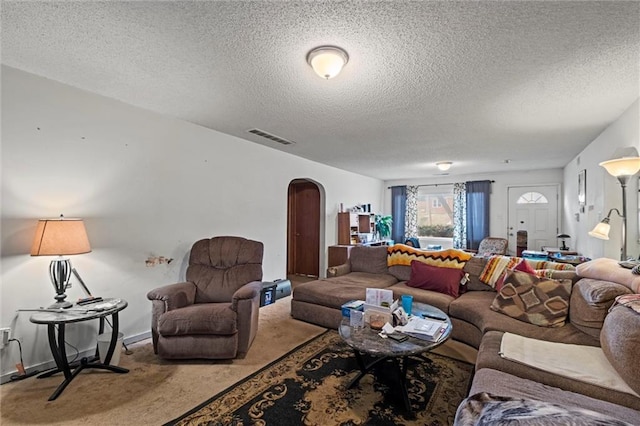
x: 352, y: 224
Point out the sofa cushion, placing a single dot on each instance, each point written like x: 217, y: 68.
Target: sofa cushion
x: 201, y: 318
x: 489, y: 357
x: 440, y: 279
x: 504, y: 384
x: 474, y: 307
x: 473, y: 268
x: 609, y: 270
x: 485, y: 409
x: 590, y: 302
x: 333, y: 292
x: 401, y: 272
x: 369, y: 259
x: 620, y: 341
x: 535, y: 300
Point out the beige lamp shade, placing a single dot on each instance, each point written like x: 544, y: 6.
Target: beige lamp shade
x: 58, y: 237
x: 625, y: 163
x: 601, y: 230
x: 622, y: 166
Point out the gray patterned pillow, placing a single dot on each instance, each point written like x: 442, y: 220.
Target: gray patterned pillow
x: 539, y: 301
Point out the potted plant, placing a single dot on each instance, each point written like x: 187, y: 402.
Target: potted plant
x: 383, y: 225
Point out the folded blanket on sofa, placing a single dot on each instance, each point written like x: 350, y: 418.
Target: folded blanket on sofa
x: 587, y: 364
x: 401, y: 254
x: 609, y: 270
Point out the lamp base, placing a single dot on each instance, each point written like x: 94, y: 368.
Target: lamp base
x: 63, y: 304
x: 60, y: 272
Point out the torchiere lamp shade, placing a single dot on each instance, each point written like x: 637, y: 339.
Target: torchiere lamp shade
x: 601, y: 230
x: 59, y: 237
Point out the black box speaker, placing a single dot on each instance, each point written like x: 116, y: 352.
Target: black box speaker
x: 268, y: 294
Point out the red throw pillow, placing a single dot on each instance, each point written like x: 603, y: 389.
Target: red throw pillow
x: 523, y: 266
x: 435, y: 278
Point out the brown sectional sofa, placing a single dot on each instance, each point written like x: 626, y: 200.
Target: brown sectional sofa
x: 475, y: 324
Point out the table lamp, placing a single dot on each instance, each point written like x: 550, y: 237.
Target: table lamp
x: 60, y: 237
x: 564, y: 244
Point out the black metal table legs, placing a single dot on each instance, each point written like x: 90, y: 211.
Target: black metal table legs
x: 400, y: 365
x: 59, y: 352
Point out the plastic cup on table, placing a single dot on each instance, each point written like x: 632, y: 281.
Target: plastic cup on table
x: 407, y: 303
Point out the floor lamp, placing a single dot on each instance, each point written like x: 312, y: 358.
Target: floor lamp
x: 60, y: 237
x: 625, y: 164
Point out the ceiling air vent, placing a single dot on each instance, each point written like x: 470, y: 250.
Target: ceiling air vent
x: 271, y: 137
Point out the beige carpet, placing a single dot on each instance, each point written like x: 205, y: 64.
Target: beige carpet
x: 154, y: 391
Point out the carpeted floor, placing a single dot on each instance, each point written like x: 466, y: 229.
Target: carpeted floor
x: 154, y: 391
x: 307, y: 387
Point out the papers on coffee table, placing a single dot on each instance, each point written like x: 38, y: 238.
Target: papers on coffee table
x: 425, y: 329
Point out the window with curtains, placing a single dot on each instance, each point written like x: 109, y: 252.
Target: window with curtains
x: 435, y: 211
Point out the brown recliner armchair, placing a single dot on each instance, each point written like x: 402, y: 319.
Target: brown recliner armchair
x: 214, y: 314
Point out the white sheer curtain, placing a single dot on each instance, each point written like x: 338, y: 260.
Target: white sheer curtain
x: 411, y: 216
x: 460, y: 215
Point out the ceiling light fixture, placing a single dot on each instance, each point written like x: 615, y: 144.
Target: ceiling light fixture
x: 444, y: 165
x: 327, y: 61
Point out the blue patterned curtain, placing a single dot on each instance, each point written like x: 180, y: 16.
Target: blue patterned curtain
x: 398, y: 212
x: 411, y: 216
x: 478, y: 193
x: 459, y: 216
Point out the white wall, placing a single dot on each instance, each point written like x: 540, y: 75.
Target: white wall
x: 145, y: 185
x: 603, y: 191
x: 499, y: 203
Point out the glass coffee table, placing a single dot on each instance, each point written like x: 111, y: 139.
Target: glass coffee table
x: 364, y: 340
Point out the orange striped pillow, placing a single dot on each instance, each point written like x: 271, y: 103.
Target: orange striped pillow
x: 495, y: 267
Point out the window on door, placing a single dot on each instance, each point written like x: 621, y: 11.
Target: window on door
x: 532, y: 198
x: 435, y: 212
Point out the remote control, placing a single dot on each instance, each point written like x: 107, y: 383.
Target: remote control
x: 398, y: 337
x: 433, y: 316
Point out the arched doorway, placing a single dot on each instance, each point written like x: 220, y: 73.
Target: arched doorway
x: 303, y: 228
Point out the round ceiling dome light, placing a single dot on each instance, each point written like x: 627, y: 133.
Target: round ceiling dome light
x: 327, y: 61
x: 444, y: 165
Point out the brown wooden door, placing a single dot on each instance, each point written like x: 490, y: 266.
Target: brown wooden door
x: 304, y: 229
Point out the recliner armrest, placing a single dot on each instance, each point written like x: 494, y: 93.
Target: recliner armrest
x: 248, y: 291
x: 174, y: 296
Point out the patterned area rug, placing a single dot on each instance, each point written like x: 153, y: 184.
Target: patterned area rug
x: 307, y: 387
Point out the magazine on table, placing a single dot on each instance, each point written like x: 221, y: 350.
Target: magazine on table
x: 425, y: 329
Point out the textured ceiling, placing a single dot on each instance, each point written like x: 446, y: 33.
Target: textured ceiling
x: 475, y: 83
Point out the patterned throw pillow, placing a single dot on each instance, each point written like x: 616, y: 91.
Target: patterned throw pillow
x: 495, y: 267
x: 523, y: 266
x: 557, y: 266
x: 538, y: 301
x: 401, y: 254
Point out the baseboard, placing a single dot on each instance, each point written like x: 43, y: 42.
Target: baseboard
x: 48, y: 365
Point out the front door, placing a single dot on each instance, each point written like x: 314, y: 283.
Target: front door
x: 533, y: 218
x: 304, y: 229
